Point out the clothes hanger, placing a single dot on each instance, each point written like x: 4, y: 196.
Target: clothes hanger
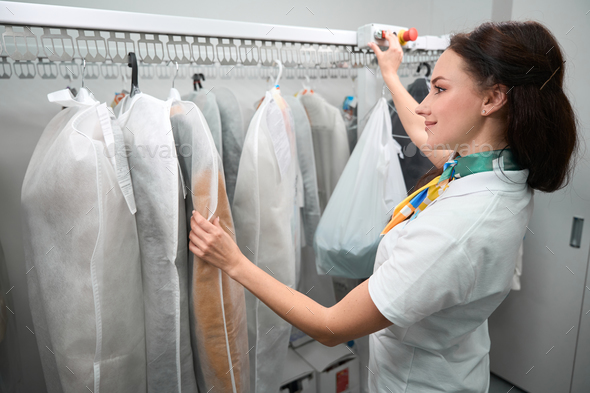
x: 197, y: 78
x: 84, y: 95
x: 427, y: 75
x: 66, y: 98
x: 374, y: 105
x: 132, y: 62
x: 427, y: 68
x: 174, y: 94
x: 307, y: 85
x: 280, y: 64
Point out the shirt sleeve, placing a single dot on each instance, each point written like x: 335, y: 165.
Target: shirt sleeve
x: 426, y: 271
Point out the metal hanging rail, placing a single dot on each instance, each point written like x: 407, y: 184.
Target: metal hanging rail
x: 48, y: 41
x: 24, y: 14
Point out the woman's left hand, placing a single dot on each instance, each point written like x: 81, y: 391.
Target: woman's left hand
x: 212, y: 244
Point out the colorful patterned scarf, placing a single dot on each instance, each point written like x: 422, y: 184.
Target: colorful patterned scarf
x: 453, y: 169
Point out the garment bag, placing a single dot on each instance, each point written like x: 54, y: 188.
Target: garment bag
x: 219, y: 334
x: 157, y: 184
x: 82, y: 253
x: 232, y: 131
x: 330, y: 142
x: 10, y: 369
x: 264, y: 206
x: 317, y: 287
x: 207, y: 103
x: 371, y: 185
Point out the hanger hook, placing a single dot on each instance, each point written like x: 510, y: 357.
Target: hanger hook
x: 175, y: 75
x: 83, y: 71
x: 280, y: 72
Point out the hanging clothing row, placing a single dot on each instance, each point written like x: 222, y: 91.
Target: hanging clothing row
x: 107, y: 209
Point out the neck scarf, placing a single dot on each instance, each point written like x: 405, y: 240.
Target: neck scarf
x: 453, y: 169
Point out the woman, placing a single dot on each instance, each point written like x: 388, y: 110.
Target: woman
x: 497, y: 125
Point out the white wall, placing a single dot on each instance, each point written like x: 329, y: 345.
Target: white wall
x: 535, y: 331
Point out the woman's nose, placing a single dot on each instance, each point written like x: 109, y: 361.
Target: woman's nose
x: 423, y: 108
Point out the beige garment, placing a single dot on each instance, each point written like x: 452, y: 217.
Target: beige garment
x: 217, y: 305
x: 219, y: 335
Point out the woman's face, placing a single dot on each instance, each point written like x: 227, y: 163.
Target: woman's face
x: 452, y: 109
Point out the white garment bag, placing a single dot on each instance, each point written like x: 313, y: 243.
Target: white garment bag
x: 219, y: 333
x: 330, y: 143
x: 371, y: 185
x: 82, y: 253
x: 157, y: 184
x: 263, y: 208
x: 318, y: 287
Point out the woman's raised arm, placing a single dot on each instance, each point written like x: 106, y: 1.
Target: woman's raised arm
x: 405, y: 104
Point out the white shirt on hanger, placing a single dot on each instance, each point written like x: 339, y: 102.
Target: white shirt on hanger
x: 439, y: 277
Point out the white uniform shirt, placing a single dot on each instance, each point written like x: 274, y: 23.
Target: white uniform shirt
x: 439, y: 277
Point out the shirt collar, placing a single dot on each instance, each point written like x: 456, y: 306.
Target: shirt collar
x: 496, y: 180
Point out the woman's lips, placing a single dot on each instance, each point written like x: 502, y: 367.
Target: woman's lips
x: 428, y: 125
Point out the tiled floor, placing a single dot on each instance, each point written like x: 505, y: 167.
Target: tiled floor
x: 498, y: 385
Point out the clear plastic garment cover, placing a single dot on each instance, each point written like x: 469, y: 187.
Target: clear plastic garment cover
x: 317, y: 287
x: 264, y: 206
x: 207, y: 103
x: 232, y: 132
x: 307, y: 164
x: 330, y: 143
x: 82, y: 253
x: 157, y: 185
x: 371, y: 185
x: 219, y: 333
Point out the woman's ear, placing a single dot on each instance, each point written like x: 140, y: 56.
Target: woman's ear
x: 495, y: 98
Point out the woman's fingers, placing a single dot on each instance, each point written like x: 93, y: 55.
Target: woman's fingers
x: 376, y: 49
x: 198, y: 241
x: 197, y: 229
x: 393, y: 39
x: 208, y: 243
x: 193, y: 245
x: 203, y: 222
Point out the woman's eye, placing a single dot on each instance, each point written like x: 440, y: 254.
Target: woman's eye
x: 439, y: 88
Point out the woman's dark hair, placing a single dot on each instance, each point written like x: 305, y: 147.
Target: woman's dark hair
x: 541, y: 125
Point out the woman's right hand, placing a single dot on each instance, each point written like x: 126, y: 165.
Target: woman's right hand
x: 390, y: 59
